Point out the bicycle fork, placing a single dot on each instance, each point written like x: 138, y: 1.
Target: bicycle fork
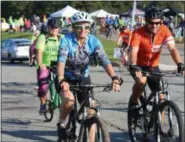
x: 160, y: 115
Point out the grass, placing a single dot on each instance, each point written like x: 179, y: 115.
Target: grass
x: 108, y: 44
x: 5, y: 35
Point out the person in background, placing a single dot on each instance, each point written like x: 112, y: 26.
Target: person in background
x: 21, y: 22
x: 93, y: 28
x: 124, y: 42
x: 44, y: 19
x: 47, y: 47
x: 10, y: 21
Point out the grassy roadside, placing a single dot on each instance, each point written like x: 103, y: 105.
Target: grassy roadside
x: 108, y: 44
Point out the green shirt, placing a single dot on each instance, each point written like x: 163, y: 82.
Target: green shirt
x: 50, y: 47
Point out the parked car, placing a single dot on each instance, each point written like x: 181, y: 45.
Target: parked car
x: 15, y: 49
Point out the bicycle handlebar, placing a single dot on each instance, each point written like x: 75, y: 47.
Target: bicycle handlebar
x: 107, y: 87
x: 162, y: 73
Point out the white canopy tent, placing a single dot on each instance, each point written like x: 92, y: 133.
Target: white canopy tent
x: 68, y: 11
x: 113, y: 15
x: 99, y: 13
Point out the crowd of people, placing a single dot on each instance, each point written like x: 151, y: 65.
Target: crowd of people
x: 111, y: 25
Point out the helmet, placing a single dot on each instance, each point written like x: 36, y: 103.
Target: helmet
x: 123, y: 28
x: 54, y: 23
x: 81, y: 17
x: 43, y: 29
x: 153, y: 13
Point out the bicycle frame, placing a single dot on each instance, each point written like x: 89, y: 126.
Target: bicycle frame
x: 146, y: 101
x: 54, y: 97
x: 81, y: 114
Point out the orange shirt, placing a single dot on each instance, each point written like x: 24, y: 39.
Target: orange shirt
x: 149, y: 52
x: 126, y: 34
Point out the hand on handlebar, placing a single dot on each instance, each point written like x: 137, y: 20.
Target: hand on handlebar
x: 64, y: 86
x: 116, y: 83
x: 180, y: 68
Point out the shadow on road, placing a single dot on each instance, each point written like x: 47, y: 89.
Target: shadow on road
x: 38, y: 135
x: 116, y: 109
x: 30, y: 135
x: 119, y: 137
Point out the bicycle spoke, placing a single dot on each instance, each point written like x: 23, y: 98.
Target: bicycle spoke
x: 169, y: 125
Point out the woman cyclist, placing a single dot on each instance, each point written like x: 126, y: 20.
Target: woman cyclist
x: 46, y: 51
x: 73, y: 65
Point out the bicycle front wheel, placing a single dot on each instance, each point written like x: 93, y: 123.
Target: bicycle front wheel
x: 100, y: 133
x: 170, y: 127
x: 48, y: 114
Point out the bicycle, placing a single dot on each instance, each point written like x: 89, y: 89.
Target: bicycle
x: 150, y: 117
x: 81, y: 116
x: 53, y: 100
x: 124, y: 57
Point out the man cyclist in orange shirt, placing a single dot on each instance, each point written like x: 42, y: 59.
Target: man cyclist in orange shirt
x: 146, y: 45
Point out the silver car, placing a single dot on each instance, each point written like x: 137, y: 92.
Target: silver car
x: 15, y: 49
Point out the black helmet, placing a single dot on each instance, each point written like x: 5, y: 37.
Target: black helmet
x: 122, y: 28
x: 43, y: 29
x: 153, y: 13
x: 54, y: 23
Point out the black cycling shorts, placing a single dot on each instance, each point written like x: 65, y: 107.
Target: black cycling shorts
x: 83, y: 92
x: 153, y: 80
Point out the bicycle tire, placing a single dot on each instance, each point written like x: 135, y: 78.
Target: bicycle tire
x: 100, y: 127
x: 177, y: 113
x: 48, y: 114
x: 130, y: 124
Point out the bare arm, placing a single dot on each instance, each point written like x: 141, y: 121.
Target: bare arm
x: 60, y: 71
x: 133, y: 55
x: 174, y: 52
x: 110, y: 71
x: 118, y: 44
x: 39, y: 58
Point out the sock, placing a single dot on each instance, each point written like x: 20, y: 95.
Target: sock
x: 64, y: 122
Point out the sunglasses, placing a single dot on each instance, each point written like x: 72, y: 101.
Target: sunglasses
x: 154, y: 23
x: 81, y: 27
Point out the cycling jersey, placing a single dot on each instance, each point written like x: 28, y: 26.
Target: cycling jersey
x: 149, y: 51
x: 76, y: 58
x: 125, y: 35
x: 50, y: 47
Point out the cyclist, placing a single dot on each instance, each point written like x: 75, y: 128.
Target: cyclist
x: 146, y: 45
x: 124, y: 41
x: 124, y: 37
x: 47, y: 47
x: 75, y: 54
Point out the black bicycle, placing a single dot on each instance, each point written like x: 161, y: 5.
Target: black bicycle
x: 89, y: 106
x: 156, y: 120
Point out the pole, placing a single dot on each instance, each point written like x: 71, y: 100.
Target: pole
x: 133, y: 15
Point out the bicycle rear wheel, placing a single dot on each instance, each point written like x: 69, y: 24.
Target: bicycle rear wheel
x: 170, y: 127
x: 48, y: 114
x: 101, y: 133
x: 135, y: 122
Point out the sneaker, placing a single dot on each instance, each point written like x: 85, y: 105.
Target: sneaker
x: 42, y: 109
x: 61, y: 132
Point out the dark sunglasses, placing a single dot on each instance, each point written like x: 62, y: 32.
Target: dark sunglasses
x: 154, y: 23
x: 80, y: 27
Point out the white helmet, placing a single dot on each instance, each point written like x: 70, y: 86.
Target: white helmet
x: 81, y: 17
